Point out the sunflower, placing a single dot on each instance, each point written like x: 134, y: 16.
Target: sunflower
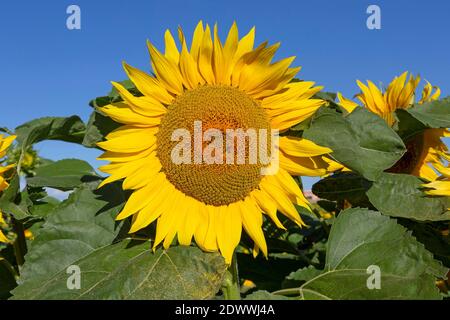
x: 5, y: 142
x: 425, y: 150
x: 229, y: 85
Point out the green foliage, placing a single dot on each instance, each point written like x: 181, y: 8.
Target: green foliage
x: 432, y: 114
x: 362, y: 141
x: 407, y: 269
x: 343, y: 186
x: 98, y: 127
x: 69, y: 129
x: 328, y: 259
x: 130, y: 270
x: 64, y: 175
x: 73, y: 229
x: 400, y: 195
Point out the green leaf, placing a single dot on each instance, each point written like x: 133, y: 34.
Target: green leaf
x: 361, y: 238
x: 407, y: 126
x: 362, y: 141
x: 63, y: 175
x: 399, y: 195
x: 343, y: 186
x: 97, y: 128
x: 434, y: 114
x: 69, y: 129
x: 44, y: 206
x: 264, y: 295
x: 304, y: 274
x: 130, y: 270
x: 75, y: 228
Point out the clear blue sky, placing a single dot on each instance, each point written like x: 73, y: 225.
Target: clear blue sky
x: 48, y: 70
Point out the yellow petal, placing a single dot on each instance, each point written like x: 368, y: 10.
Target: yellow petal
x: 122, y: 113
x: 266, y: 204
x: 312, y: 166
x: 188, y: 68
x: 140, y: 198
x: 159, y: 206
x: 229, y: 229
x: 347, y: 104
x: 197, y: 41
x: 171, y: 52
x: 283, y: 202
x: 143, y: 175
x: 6, y: 142
x: 300, y: 147
x: 205, y: 234
x: 252, y: 222
x: 145, y: 105
x: 205, y: 57
x: 126, y: 139
x: 189, y: 221
x: 166, y: 71
x: 148, y: 85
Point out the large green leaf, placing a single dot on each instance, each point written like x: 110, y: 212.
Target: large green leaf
x: 434, y: 114
x: 131, y: 270
x: 70, y: 129
x: 343, y: 186
x: 362, y: 141
x: 399, y: 195
x: 63, y: 175
x: 74, y: 228
x: 361, y: 238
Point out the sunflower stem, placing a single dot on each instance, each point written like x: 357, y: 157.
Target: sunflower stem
x: 231, y: 288
x: 20, y: 244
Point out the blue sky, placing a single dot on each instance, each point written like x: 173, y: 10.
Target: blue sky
x: 48, y: 70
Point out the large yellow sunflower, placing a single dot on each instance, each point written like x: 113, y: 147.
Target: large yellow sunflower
x: 5, y: 142
x: 229, y: 85
x: 425, y: 150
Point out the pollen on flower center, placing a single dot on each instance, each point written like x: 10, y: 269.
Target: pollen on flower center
x: 220, y: 108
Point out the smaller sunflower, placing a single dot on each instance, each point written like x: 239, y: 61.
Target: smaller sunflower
x: 5, y: 142
x: 425, y: 150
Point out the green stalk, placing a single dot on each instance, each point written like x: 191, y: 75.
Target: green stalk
x: 20, y: 244
x: 231, y: 288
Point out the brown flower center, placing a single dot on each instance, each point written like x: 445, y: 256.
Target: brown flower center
x: 207, y: 148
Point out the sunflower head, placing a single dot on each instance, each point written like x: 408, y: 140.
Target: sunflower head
x: 424, y: 150
x: 186, y: 146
